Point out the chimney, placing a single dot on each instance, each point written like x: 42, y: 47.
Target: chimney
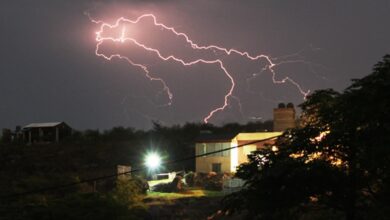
x: 284, y: 117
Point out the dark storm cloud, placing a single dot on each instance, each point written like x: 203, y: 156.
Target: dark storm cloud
x: 48, y: 70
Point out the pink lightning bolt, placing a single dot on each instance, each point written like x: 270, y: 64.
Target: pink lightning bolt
x: 123, y: 38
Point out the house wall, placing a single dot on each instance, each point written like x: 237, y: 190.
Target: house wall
x: 231, y: 159
x: 245, y: 150
x: 45, y: 134
x: 204, y: 164
x: 234, y: 156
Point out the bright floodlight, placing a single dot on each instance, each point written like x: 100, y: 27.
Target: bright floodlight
x: 152, y: 161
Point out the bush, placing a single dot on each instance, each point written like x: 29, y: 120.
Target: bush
x: 129, y: 190
x: 175, y: 186
x: 163, y: 187
x: 214, y: 181
x: 209, y: 181
x: 141, y: 183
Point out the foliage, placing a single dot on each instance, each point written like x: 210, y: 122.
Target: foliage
x: 76, y: 206
x: 129, y: 190
x: 338, y: 161
x: 175, y: 186
x: 164, y: 187
x: 209, y: 181
x: 124, y: 202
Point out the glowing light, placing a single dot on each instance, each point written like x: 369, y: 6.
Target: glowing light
x: 123, y: 38
x: 234, y: 156
x: 321, y: 136
x: 152, y: 161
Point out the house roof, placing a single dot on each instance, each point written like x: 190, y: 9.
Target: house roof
x: 207, y: 137
x: 256, y: 136
x: 249, y: 136
x: 43, y: 125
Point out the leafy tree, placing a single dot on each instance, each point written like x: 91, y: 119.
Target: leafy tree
x: 337, y: 160
x: 120, y: 134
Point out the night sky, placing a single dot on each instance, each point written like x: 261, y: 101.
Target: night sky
x: 49, y: 70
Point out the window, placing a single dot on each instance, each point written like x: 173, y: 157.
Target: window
x: 226, y: 153
x: 216, y: 167
x: 211, y: 147
x: 218, y: 147
x: 200, y: 149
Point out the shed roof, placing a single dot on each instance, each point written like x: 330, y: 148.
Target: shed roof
x: 43, y: 125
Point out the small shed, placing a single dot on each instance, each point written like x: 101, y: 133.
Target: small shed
x: 47, y: 132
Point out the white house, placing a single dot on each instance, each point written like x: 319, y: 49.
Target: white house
x: 227, y: 161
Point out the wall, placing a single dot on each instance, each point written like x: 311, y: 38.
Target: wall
x: 244, y: 151
x: 204, y: 163
x: 284, y: 118
x: 232, y: 158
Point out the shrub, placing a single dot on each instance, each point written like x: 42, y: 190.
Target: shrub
x: 129, y: 190
x: 214, y: 181
x: 163, y: 187
x: 141, y: 183
x: 209, y: 181
x: 200, y: 179
x: 175, y: 186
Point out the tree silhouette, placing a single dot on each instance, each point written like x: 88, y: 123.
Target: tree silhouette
x: 338, y: 160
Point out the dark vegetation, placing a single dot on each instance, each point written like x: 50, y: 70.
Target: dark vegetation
x: 124, y: 202
x: 89, y: 154
x: 176, y: 185
x: 208, y: 181
x: 335, y: 166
